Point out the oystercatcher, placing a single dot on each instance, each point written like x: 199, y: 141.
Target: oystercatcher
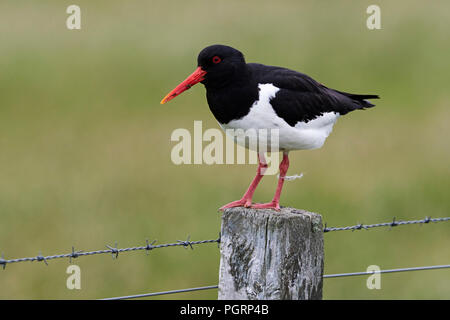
x: 255, y: 96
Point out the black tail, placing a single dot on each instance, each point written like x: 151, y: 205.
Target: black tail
x: 361, y: 98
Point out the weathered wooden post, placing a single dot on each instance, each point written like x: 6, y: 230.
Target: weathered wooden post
x: 271, y: 255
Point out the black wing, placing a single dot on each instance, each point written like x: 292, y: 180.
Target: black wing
x: 301, y: 98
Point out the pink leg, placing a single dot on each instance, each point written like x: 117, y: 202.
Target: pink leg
x: 246, y: 200
x: 275, y: 203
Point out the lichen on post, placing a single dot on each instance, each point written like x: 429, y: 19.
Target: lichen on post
x: 271, y: 255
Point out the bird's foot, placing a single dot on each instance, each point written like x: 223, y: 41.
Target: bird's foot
x: 239, y: 203
x: 270, y: 205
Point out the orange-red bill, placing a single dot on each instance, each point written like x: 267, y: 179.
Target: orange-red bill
x: 194, y: 78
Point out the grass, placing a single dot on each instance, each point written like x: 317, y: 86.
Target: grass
x: 85, y: 145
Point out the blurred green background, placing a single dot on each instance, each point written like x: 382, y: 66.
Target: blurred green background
x: 85, y: 145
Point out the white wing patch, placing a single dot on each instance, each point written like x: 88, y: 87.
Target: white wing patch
x: 304, y: 135
x: 261, y: 114
x: 322, y: 123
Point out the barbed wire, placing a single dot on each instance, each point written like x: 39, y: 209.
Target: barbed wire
x: 114, y: 251
x: 326, y: 276
x: 391, y: 224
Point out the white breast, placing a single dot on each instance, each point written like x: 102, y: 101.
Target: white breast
x: 304, y: 135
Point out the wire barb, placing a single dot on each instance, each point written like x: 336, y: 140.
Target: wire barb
x: 40, y: 257
x: 149, y: 246
x: 219, y: 239
x: 3, y: 262
x: 114, y: 251
x: 74, y: 254
x: 393, y: 223
x: 187, y: 243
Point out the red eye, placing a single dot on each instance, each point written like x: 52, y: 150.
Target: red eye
x: 216, y: 59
